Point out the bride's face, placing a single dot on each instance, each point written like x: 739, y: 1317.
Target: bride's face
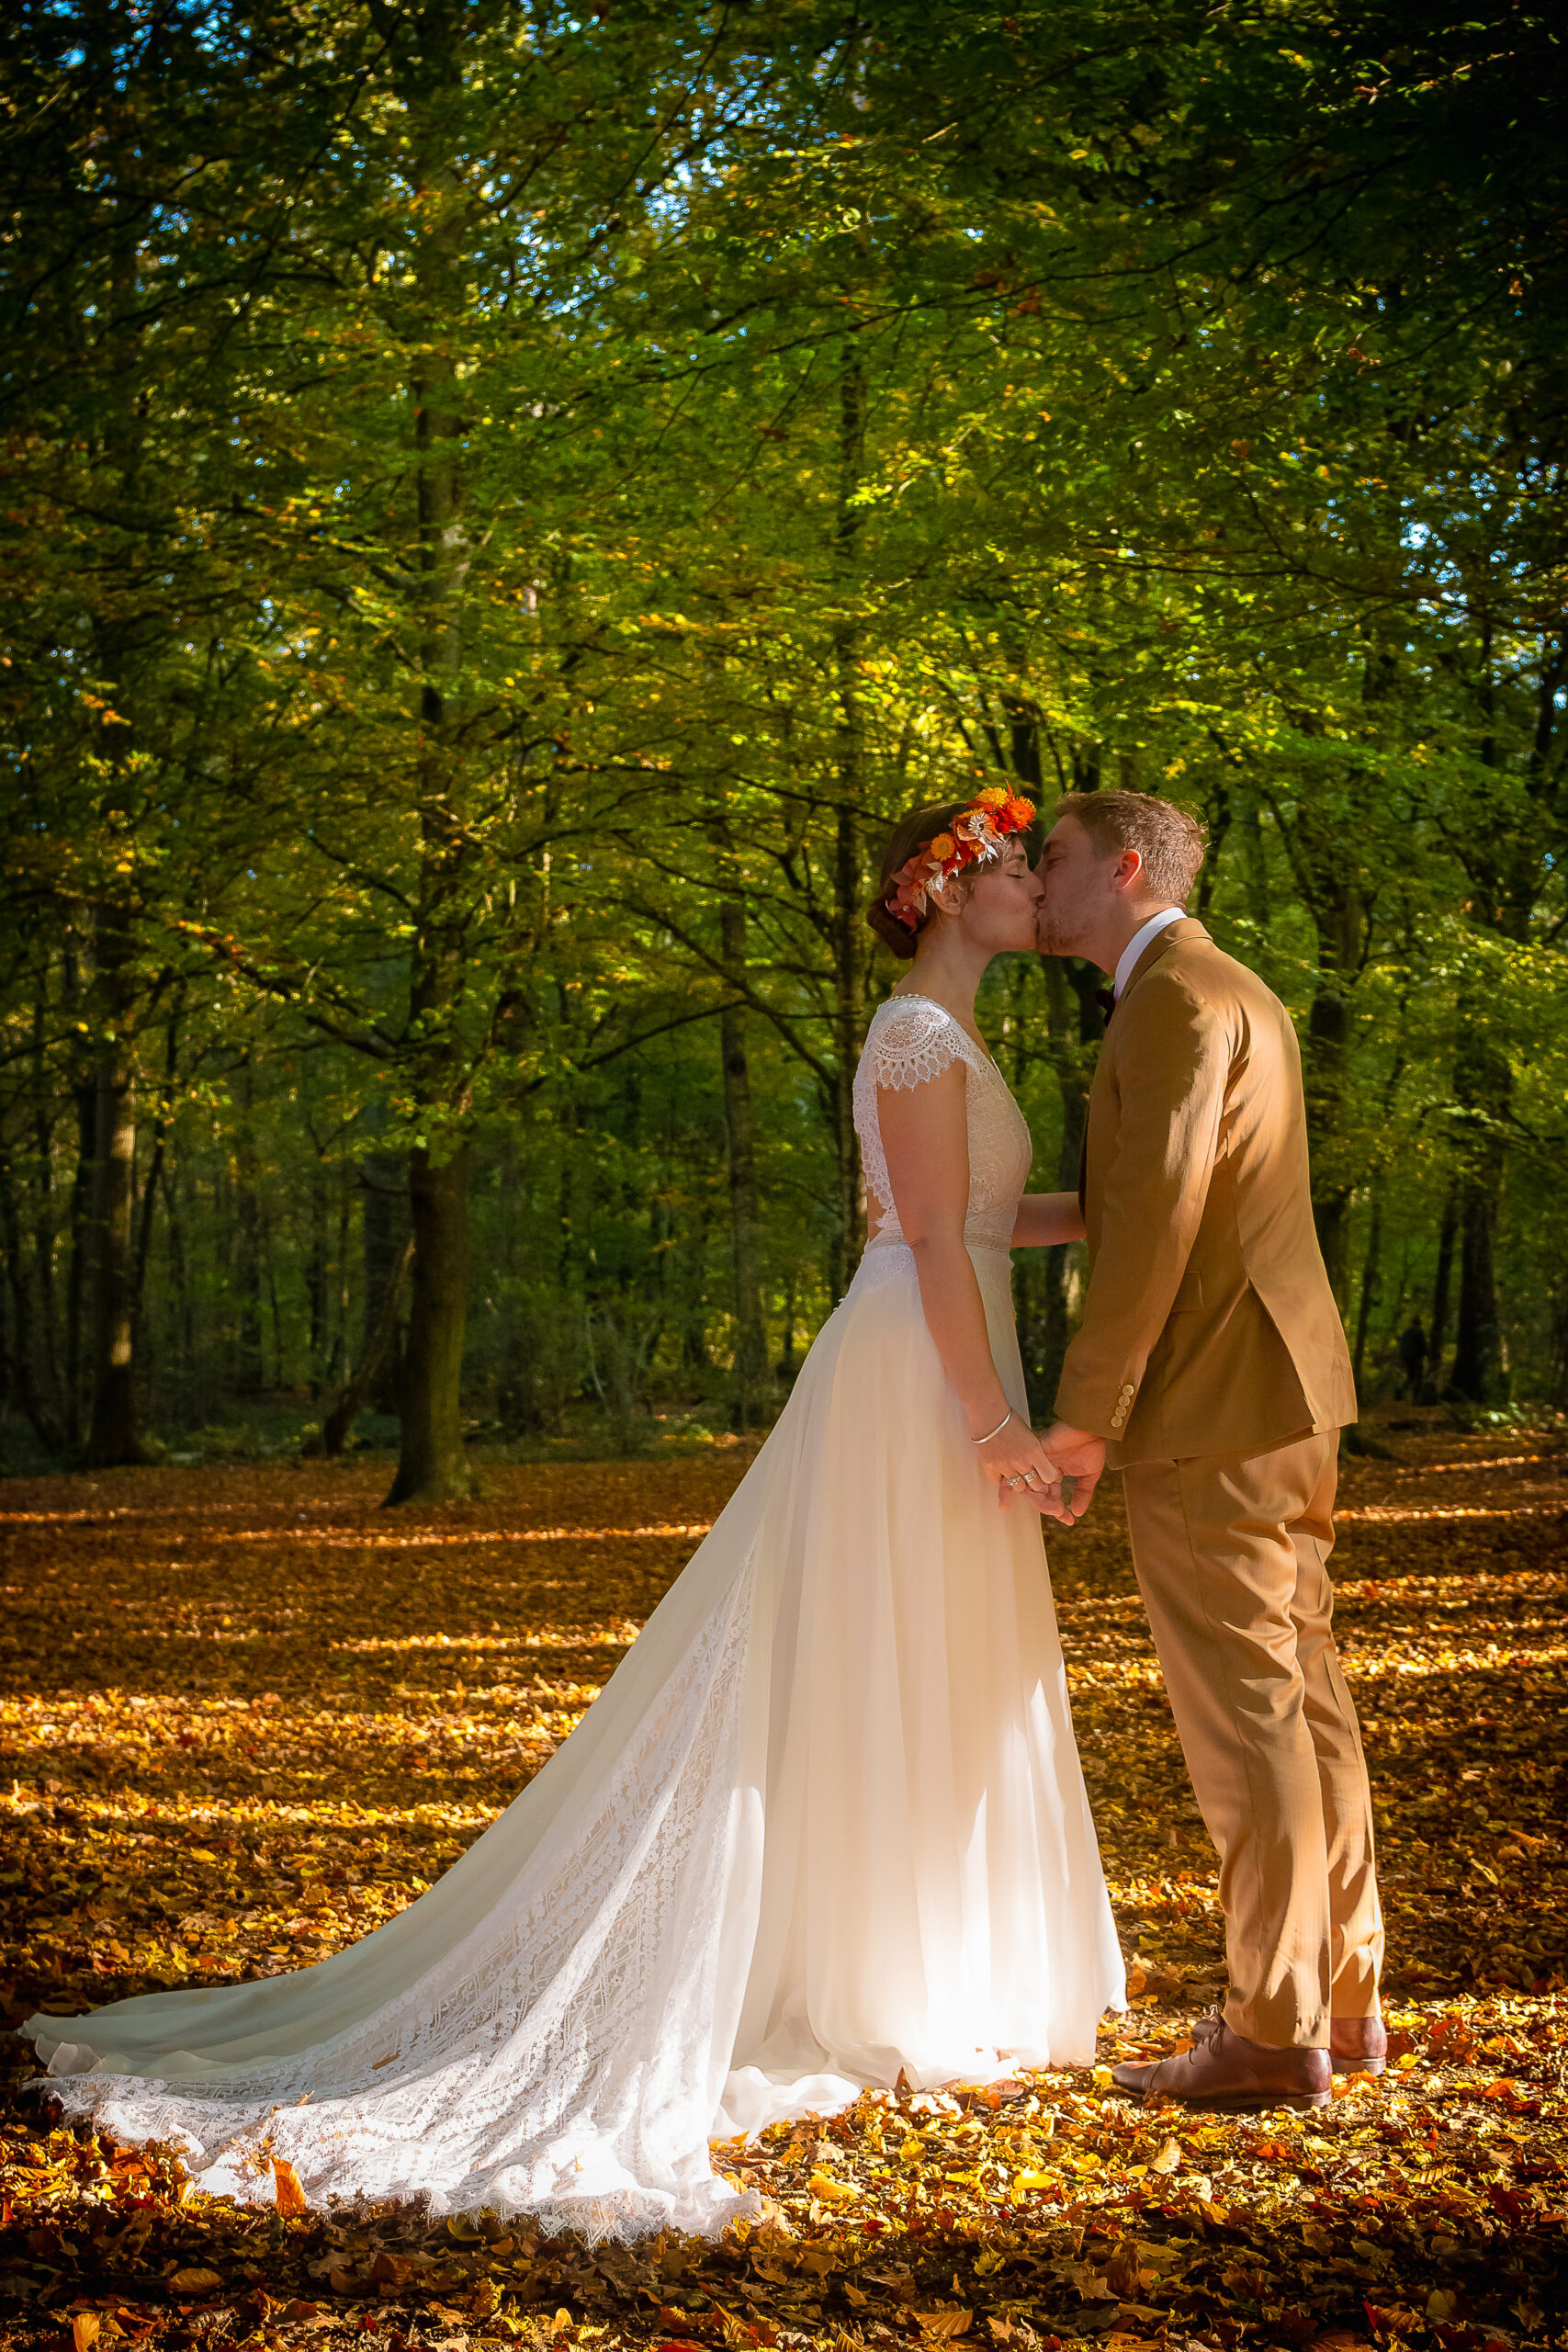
x: 999, y: 911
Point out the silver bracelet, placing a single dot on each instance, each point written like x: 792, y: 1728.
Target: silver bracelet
x: 997, y: 1432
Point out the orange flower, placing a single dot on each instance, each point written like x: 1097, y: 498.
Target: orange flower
x: 978, y: 832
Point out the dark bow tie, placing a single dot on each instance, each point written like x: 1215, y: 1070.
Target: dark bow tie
x: 1106, y: 999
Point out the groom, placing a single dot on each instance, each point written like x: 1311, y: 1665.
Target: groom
x: 1211, y: 1370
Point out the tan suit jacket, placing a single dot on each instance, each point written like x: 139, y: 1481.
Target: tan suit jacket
x: 1208, y: 1326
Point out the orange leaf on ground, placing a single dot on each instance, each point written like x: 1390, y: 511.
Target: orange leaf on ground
x: 286, y: 2181
x: 199, y: 1806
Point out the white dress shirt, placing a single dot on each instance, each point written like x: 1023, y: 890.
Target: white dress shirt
x: 1139, y: 941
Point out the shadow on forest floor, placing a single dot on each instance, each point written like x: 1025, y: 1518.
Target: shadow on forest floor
x: 285, y: 1428
x: 218, y: 1761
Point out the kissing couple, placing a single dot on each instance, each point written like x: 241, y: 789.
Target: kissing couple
x: 826, y: 1825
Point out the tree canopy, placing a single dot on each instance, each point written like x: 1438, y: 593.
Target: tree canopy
x: 503, y: 508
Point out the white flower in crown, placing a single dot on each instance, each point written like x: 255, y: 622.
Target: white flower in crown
x: 978, y: 827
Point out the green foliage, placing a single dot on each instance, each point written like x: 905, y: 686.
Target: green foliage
x: 504, y: 507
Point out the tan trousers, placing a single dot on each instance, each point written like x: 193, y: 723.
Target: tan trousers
x: 1231, y: 1555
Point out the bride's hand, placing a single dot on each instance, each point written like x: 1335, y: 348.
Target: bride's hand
x: 1021, y: 1471
x: 1077, y: 1454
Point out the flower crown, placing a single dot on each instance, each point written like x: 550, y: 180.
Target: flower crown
x: 976, y: 837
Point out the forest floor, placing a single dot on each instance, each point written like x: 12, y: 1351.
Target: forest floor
x: 244, y: 1716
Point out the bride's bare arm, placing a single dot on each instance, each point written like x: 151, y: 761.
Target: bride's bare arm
x: 925, y: 1138
x: 1045, y: 1218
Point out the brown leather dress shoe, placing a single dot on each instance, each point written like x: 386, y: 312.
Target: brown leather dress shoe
x: 1225, y: 2072
x: 1358, y: 2046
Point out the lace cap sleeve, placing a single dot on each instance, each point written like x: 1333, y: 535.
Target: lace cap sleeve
x: 912, y: 1041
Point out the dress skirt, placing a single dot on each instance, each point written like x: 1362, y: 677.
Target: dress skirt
x: 825, y: 1823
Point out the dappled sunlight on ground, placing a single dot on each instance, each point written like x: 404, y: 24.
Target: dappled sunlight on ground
x: 244, y: 1715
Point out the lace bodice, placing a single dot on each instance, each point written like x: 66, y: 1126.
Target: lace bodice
x: 912, y: 1040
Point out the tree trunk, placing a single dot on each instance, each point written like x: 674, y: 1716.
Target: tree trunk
x: 1371, y: 1268
x: 785, y: 1366
x: 20, y: 1386
x: 1220, y: 817
x: 78, y: 1282
x: 745, y: 1206
x: 40, y: 1344
x: 154, y: 1179
x: 119, y: 648
x: 1372, y: 1265
x: 351, y: 1403
x: 179, y: 1281
x: 318, y: 1275
x: 1478, y: 1363
x: 849, y: 932
x: 517, y: 1401
x: 848, y: 1225
x: 275, y: 1310
x: 384, y: 1231
x: 1442, y: 1284
x: 432, y: 1467
x: 1559, y: 1385
x: 248, y: 1366
x: 1074, y: 1028
x: 112, y: 1435
x: 1324, y: 855
x: 1340, y: 918
x: 686, y: 1260
x: 1254, y: 865
x: 1483, y: 1090
x: 338, y: 1359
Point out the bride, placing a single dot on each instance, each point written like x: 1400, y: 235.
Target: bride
x: 826, y: 1820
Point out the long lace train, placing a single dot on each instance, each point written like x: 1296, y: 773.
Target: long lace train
x: 826, y: 1821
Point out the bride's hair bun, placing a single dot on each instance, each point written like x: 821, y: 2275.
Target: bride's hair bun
x: 890, y: 930
x: 910, y: 833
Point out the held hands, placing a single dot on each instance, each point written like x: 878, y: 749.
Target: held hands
x: 1077, y: 1454
x: 1018, y: 1467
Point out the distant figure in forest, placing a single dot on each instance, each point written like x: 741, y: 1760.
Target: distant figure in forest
x: 1413, y: 1359
x: 826, y: 1825
x: 1211, y: 1369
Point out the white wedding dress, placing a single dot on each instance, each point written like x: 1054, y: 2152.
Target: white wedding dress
x: 826, y: 1821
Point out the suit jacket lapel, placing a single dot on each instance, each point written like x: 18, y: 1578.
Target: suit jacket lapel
x: 1174, y: 934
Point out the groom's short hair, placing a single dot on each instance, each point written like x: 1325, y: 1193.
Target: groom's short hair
x: 1170, y: 843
